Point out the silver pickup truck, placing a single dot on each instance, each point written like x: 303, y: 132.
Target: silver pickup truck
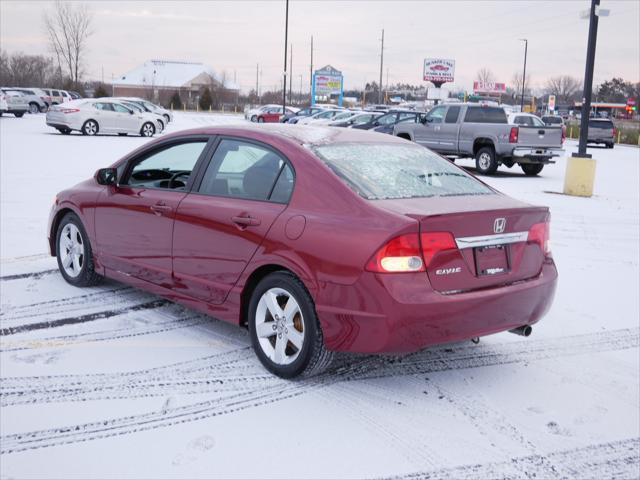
x: 483, y: 132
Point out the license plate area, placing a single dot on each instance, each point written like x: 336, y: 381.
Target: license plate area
x: 491, y: 260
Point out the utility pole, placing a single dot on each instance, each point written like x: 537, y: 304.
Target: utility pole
x: 588, y: 79
x: 381, y: 65
x: 291, y: 76
x: 286, y: 42
x: 257, y: 73
x: 311, y: 73
x: 524, y: 73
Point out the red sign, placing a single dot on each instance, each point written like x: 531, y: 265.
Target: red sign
x: 489, y: 87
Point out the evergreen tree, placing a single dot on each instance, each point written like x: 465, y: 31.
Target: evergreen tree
x: 101, y: 91
x: 175, y: 101
x: 205, y: 99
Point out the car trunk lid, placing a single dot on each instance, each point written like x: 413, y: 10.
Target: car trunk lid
x: 532, y: 136
x: 490, y: 239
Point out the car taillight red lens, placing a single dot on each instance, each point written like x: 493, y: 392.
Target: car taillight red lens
x: 435, y: 242
x: 401, y: 254
x: 513, y: 135
x: 69, y: 110
x: 539, y: 233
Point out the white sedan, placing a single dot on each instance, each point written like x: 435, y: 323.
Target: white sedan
x: 324, y: 115
x: 100, y: 115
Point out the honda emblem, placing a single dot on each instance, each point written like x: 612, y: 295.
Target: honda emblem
x: 499, y: 225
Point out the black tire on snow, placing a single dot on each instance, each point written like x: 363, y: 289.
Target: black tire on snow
x: 313, y: 358
x: 88, y: 276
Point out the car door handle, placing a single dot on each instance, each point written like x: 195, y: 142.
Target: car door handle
x: 160, y: 208
x: 245, y: 221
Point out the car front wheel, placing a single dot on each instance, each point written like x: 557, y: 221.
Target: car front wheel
x: 148, y: 130
x: 284, y: 328
x: 74, y: 254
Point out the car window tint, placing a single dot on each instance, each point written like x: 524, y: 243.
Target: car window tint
x: 120, y: 108
x: 387, y: 119
x: 485, y: 115
x: 385, y: 171
x: 241, y: 169
x: 283, y: 187
x: 452, y: 115
x: 436, y: 115
x: 175, y: 162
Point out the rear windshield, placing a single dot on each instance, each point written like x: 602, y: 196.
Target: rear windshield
x: 383, y: 171
x: 552, y: 120
x: 485, y: 115
x: 600, y: 124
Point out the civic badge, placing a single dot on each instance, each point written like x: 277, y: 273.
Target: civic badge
x: 499, y: 225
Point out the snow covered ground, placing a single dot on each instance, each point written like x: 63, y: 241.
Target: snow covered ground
x: 111, y: 382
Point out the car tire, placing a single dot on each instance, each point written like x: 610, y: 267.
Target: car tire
x: 19, y: 115
x: 274, y: 340
x: 610, y: 145
x: 531, y: 169
x: 167, y: 119
x: 254, y: 118
x: 34, y: 108
x: 74, y: 250
x: 148, y: 129
x: 160, y: 126
x: 260, y: 119
x: 64, y: 131
x: 486, y: 162
x: 90, y: 127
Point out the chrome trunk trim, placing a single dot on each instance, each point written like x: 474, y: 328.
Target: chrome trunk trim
x: 484, y: 240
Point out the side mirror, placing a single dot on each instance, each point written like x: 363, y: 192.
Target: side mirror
x: 376, y: 123
x: 106, y: 176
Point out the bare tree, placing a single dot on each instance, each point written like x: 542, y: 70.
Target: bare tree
x: 21, y: 70
x: 485, y: 75
x: 68, y: 28
x: 516, y: 83
x: 564, y: 87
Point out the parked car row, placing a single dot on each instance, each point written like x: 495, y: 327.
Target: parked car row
x: 20, y: 100
x: 92, y: 116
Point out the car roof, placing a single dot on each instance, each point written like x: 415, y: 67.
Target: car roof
x: 308, y: 135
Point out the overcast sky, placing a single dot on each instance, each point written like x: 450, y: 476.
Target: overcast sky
x: 234, y: 36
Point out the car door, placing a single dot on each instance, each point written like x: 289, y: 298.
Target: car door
x: 429, y: 134
x: 126, y: 120
x: 221, y: 223
x: 449, y: 130
x: 105, y: 116
x: 134, y: 220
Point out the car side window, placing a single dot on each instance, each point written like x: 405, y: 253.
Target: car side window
x: 452, y: 115
x: 120, y: 108
x: 168, y: 168
x: 521, y: 120
x: 245, y: 170
x: 406, y: 116
x: 436, y: 115
x: 387, y: 119
x: 103, y: 106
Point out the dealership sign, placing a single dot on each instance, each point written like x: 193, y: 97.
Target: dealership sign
x: 327, y: 82
x: 489, y: 87
x: 439, y: 70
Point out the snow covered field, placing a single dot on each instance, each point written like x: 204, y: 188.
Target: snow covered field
x: 111, y: 382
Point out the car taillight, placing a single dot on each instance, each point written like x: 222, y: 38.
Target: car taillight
x: 69, y: 110
x: 539, y: 233
x: 513, y: 135
x: 400, y: 254
x: 435, y: 242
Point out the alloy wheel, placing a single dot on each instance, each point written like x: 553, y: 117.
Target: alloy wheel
x: 90, y: 128
x: 71, y: 250
x: 148, y: 130
x: 484, y: 161
x: 280, y: 326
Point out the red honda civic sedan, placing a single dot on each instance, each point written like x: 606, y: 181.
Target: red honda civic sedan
x: 317, y: 239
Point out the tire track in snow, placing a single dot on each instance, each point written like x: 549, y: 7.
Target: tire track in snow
x: 282, y: 390
x: 227, y: 367
x: 35, y: 275
x: 611, y: 460
x: 89, y: 317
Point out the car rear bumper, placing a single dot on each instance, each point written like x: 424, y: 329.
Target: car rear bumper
x: 397, y: 313
x: 536, y: 155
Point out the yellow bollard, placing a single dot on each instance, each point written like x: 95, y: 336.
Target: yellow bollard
x: 579, y: 176
x: 618, y: 136
x: 571, y: 132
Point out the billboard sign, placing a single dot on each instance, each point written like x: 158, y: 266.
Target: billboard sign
x: 552, y: 103
x: 489, y: 87
x: 327, y: 82
x: 439, y: 70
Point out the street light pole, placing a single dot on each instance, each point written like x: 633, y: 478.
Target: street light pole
x: 286, y: 41
x: 524, y: 72
x: 588, y: 80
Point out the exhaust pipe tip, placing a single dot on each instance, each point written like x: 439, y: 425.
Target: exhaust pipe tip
x: 524, y: 330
